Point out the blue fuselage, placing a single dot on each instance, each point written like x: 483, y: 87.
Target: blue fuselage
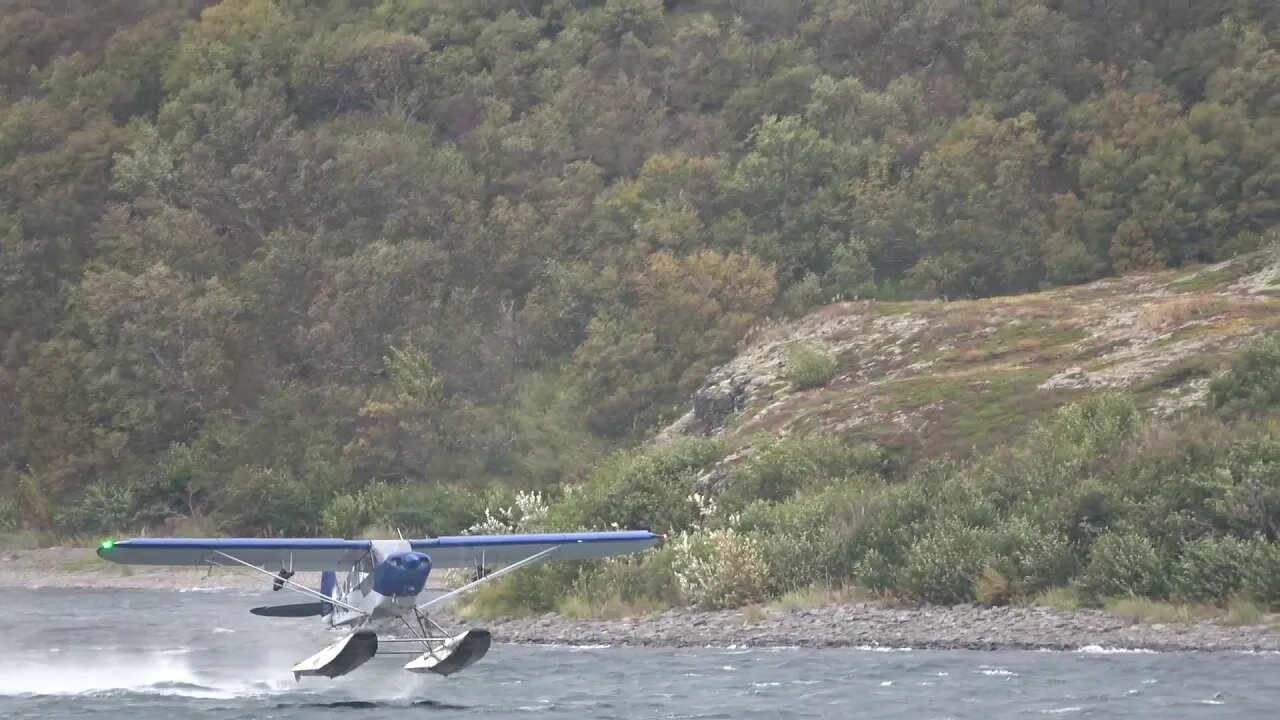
x: 387, y: 589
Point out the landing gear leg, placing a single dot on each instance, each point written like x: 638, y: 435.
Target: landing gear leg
x: 447, y: 654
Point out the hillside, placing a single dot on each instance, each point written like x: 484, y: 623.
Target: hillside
x: 344, y: 267
x: 934, y: 378
x: 1080, y: 446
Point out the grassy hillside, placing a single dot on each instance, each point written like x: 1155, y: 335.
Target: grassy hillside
x: 936, y: 378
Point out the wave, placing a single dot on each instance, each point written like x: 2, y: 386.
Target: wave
x: 160, y: 673
x: 1100, y: 650
x: 571, y: 647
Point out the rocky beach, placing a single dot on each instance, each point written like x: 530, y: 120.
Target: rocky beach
x: 862, y: 624
x: 870, y: 625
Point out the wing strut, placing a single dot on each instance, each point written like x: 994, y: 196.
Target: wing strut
x: 491, y: 576
x: 287, y: 583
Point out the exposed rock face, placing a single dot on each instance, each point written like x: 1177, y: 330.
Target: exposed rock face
x: 716, y: 400
x: 723, y: 394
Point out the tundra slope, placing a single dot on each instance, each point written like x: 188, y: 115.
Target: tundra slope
x: 938, y: 377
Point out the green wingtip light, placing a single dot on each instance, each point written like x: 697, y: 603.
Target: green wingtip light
x: 107, y: 544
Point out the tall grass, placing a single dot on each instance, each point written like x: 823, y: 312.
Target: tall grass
x: 1155, y: 611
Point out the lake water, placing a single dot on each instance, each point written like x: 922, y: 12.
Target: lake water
x: 165, y: 655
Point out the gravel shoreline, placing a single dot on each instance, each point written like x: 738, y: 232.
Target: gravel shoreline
x: 849, y: 625
x: 866, y: 625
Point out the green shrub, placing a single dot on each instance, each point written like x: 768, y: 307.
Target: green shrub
x: 347, y: 515
x: 1124, y: 564
x: 851, y: 275
x: 1262, y: 573
x: 803, y: 296
x: 1211, y: 570
x: 1247, y: 492
x: 646, y: 490
x: 1083, y: 512
x: 955, y: 563
x: 1093, y: 427
x: 800, y: 539
x: 1030, y: 558
x: 893, y: 521
x: 809, y: 366
x: 179, y: 485
x: 1252, y: 383
x: 271, y: 502
x: 427, y: 510
x: 942, y: 567
x: 102, y: 508
x: 800, y: 559
x: 720, y: 569
x: 527, y: 591
x: 780, y: 468
x: 645, y: 578
x: 876, y: 571
x: 9, y: 509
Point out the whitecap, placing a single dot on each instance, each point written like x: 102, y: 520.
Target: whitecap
x: 995, y: 671
x: 1100, y: 650
x: 1062, y: 710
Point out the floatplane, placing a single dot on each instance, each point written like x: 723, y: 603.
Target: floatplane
x: 382, y: 582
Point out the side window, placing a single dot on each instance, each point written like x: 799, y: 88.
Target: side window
x: 362, y: 569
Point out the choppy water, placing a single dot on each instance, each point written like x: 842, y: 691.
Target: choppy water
x: 148, y: 655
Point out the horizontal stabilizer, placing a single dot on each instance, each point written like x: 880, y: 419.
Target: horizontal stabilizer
x: 296, y: 610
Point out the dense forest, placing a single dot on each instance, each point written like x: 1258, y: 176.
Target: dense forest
x: 289, y: 266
